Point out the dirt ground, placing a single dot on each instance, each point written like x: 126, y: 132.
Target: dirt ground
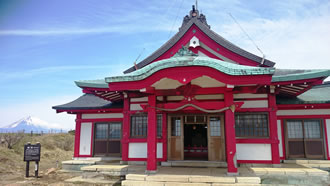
x: 55, y: 148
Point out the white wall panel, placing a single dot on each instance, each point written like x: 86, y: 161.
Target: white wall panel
x: 253, y: 151
x: 136, y: 107
x: 85, y: 139
x: 303, y: 112
x: 142, y: 99
x: 242, y: 96
x: 255, y: 104
x: 139, y: 150
x: 279, y: 134
x: 102, y: 116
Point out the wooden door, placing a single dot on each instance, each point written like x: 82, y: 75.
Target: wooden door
x: 216, y: 138
x: 313, y: 139
x: 107, y: 138
x: 304, y: 139
x: 175, y: 138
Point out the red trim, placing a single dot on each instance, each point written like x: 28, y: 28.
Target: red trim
x: 143, y: 140
x: 273, y: 128
x: 259, y: 141
x: 255, y: 161
x: 101, y: 120
x: 253, y: 109
x: 85, y: 156
x: 230, y: 134
x: 77, y: 136
x: 304, y: 117
x: 283, y: 141
x: 251, y: 99
x: 126, y: 130
x: 186, y: 75
x: 152, y: 135
x: 326, y: 138
x: 304, y: 106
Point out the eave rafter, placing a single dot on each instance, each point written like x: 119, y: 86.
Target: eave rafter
x: 104, y: 93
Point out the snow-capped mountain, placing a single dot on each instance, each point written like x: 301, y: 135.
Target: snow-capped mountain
x: 29, y: 124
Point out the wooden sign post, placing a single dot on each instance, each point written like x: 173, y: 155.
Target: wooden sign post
x: 32, y: 153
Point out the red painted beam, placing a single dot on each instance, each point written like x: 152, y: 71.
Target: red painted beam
x: 152, y: 135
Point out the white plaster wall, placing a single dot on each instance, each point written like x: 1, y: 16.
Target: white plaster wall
x: 174, y: 98
x: 242, y: 96
x: 135, y: 107
x: 102, y: 116
x: 142, y: 99
x: 255, y: 104
x: 85, y: 139
x: 253, y: 151
x: 303, y: 112
x: 328, y: 133
x: 279, y: 134
x: 139, y: 150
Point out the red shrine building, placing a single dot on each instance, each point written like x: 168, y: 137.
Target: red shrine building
x: 200, y: 97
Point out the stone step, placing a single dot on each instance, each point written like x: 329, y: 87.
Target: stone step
x: 214, y: 164
x: 164, y: 179
x: 96, y: 180
x: 307, y: 161
x: 111, y: 170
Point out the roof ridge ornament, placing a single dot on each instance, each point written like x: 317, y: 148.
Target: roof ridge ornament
x: 194, y: 14
x: 184, y: 51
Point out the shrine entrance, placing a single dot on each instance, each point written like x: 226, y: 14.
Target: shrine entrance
x: 196, y: 137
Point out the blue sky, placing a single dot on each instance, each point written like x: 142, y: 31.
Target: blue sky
x: 46, y: 45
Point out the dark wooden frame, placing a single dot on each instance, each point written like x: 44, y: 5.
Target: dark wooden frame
x: 107, y: 154
x: 304, y: 140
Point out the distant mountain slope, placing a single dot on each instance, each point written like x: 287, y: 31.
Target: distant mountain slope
x: 29, y: 124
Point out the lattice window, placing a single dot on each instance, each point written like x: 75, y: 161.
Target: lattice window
x: 101, y: 131
x: 215, y: 126
x: 251, y: 125
x: 139, y: 125
x: 176, y: 126
x: 159, y: 125
x: 312, y: 129
x: 115, y: 131
x: 295, y: 129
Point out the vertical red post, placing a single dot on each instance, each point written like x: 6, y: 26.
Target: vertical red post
x: 152, y: 135
x: 126, y: 127
x: 77, y: 136
x: 230, y: 135
x: 273, y: 128
x: 164, y: 136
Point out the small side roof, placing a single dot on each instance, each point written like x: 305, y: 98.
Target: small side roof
x: 201, y: 24
x: 294, y: 74
x: 88, y: 101
x: 318, y: 94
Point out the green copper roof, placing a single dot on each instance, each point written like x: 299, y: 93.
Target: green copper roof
x: 292, y: 75
x: 190, y: 60
x: 98, y: 83
x: 318, y: 94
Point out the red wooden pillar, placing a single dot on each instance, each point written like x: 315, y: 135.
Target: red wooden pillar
x: 77, y: 136
x: 230, y: 135
x: 126, y: 127
x: 152, y: 135
x: 273, y: 128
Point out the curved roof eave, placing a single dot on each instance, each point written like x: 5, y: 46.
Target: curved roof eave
x: 221, y: 66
